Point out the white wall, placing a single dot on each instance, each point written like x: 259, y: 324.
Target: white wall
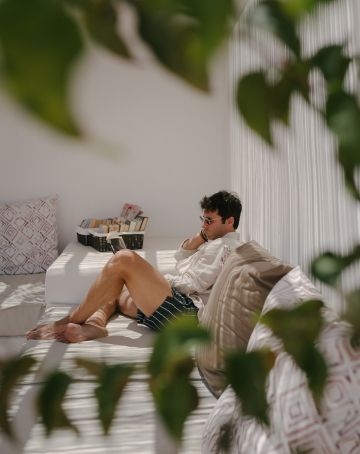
x: 153, y: 141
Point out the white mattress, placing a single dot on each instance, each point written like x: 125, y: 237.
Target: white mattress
x: 71, y: 275
x: 22, y: 297
x: 135, y: 428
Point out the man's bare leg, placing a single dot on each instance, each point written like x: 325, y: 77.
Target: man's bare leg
x: 147, y: 287
x: 125, y: 304
x: 93, y: 328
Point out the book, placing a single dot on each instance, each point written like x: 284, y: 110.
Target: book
x: 103, y: 228
x: 130, y: 211
x: 92, y: 223
x: 97, y: 223
x: 138, y: 220
x: 144, y: 222
x: 116, y: 242
x: 132, y: 225
x: 86, y: 223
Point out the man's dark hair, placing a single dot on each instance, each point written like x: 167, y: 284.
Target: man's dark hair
x: 227, y: 203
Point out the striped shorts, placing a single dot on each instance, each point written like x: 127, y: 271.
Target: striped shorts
x: 175, y: 306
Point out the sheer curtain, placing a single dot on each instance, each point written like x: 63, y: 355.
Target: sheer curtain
x: 294, y: 200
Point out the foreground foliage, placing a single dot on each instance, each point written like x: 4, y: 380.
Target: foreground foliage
x: 42, y: 40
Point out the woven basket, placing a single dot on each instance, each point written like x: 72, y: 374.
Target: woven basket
x: 91, y: 237
x: 83, y: 236
x: 131, y: 240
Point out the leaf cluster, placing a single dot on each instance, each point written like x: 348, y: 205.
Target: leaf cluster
x: 170, y: 367
x: 42, y: 40
x: 10, y: 372
x: 262, y: 102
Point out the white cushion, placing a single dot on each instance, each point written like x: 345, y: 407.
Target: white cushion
x: 22, y: 298
x: 70, y: 277
x: 296, y: 423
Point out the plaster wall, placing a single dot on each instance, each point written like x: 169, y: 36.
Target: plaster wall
x: 151, y: 140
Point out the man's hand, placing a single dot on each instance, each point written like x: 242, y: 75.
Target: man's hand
x: 194, y: 242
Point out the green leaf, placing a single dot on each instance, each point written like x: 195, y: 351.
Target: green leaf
x: 247, y: 374
x: 215, y: 19
x: 298, y: 7
x: 39, y: 44
x: 297, y: 72
x: 280, y: 99
x: 100, y: 19
x: 352, y: 315
x: 225, y: 438
x: 254, y: 103
x: 316, y: 369
x: 112, y: 381
x: 176, y: 45
x: 271, y: 17
x: 93, y: 367
x: 10, y: 372
x: 333, y: 65
x: 299, y: 328
x: 169, y: 367
x: 294, y: 78
x: 184, y: 34
x: 49, y: 403
x: 329, y: 266
x: 343, y: 119
x: 174, y: 342
x: 175, y: 398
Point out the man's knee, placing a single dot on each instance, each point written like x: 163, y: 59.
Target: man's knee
x: 123, y: 261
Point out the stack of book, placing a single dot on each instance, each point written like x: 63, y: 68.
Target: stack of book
x: 130, y: 220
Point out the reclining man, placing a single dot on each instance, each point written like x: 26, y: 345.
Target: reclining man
x: 132, y: 286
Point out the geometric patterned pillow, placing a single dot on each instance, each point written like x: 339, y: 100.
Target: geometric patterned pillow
x: 28, y: 236
x: 296, y: 422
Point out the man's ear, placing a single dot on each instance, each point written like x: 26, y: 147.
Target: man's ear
x: 230, y: 220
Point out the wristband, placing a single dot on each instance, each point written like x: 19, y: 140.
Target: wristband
x: 203, y: 236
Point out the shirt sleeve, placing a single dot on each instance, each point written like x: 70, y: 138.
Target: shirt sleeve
x: 182, y: 254
x: 202, y: 273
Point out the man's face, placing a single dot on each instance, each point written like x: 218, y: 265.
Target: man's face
x: 216, y: 229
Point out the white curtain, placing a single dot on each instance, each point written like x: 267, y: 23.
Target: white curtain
x: 294, y: 199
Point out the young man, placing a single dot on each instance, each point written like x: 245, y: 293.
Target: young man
x: 131, y: 285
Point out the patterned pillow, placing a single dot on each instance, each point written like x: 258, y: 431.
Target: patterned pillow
x: 241, y: 289
x: 296, y: 422
x: 28, y: 236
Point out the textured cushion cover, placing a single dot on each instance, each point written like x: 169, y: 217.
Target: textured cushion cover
x: 296, y: 422
x: 240, y: 291
x: 28, y: 236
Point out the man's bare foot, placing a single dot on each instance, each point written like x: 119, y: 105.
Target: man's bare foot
x: 42, y: 332
x: 72, y: 333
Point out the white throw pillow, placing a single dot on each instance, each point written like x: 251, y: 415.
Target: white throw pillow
x: 28, y: 236
x: 296, y: 422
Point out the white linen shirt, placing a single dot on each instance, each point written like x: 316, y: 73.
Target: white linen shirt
x: 200, y: 267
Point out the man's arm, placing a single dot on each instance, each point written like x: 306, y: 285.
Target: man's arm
x: 200, y: 274
x: 194, y: 242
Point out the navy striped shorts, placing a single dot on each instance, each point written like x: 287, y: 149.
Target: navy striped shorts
x: 178, y: 304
